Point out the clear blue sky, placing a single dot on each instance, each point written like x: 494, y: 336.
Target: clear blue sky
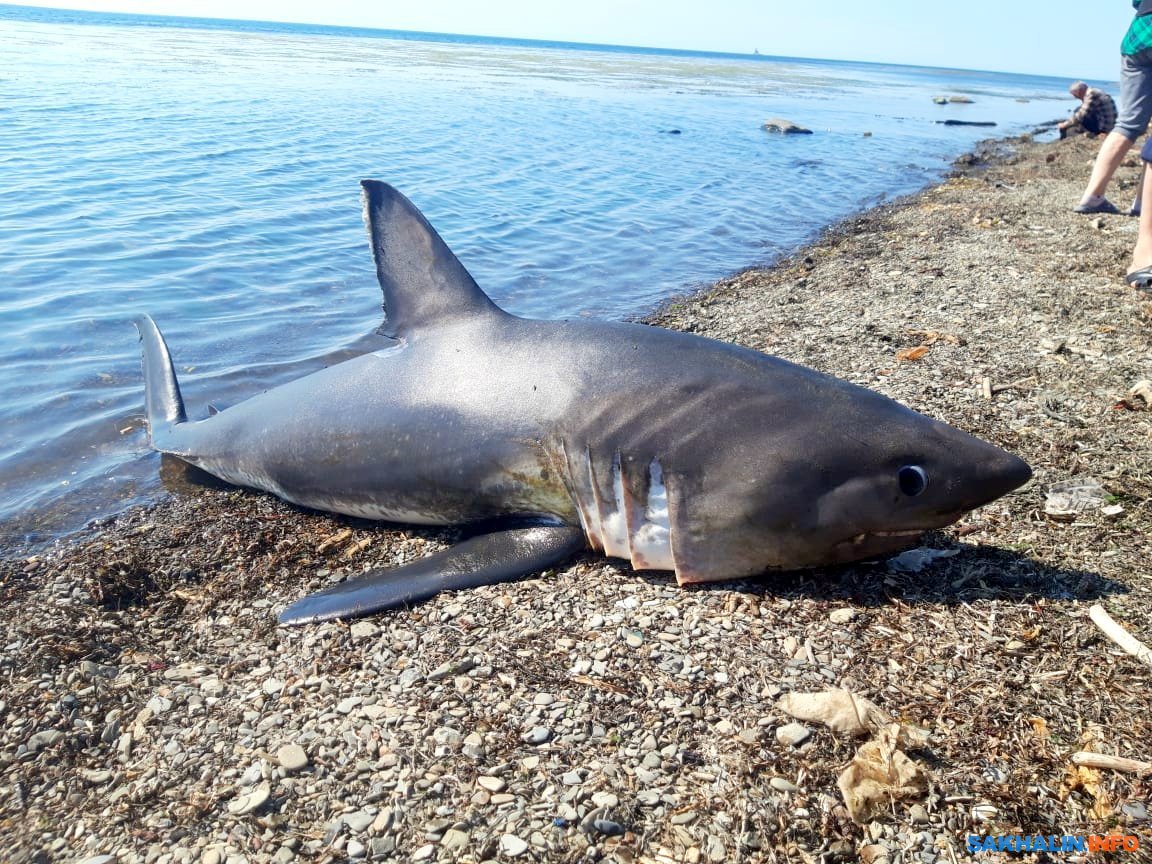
x: 1069, y: 39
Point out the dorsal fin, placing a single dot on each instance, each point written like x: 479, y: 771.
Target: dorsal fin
x: 423, y: 282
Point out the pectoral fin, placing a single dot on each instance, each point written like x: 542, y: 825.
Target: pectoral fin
x: 484, y: 560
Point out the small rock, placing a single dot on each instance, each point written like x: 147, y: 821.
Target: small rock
x: 842, y: 616
x: 99, y: 859
x: 292, y: 758
x: 793, y: 734
x: 96, y: 670
x: 605, y: 799
x: 250, y: 802
x: 363, y: 630
x: 359, y: 821
x: 785, y: 127
x: 474, y: 746
x: 44, y: 739
x: 424, y: 852
x: 608, y: 828
x: 918, y: 815
x: 1136, y: 811
x: 492, y: 784
x: 513, y: 846
x: 345, y: 706
x: 716, y: 851
x: 572, y: 778
x: 780, y: 784
x: 454, y: 839
x: 159, y: 705
x: 538, y: 735
x: 684, y: 817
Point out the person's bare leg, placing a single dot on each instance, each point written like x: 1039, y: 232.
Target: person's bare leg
x: 1112, y: 153
x: 1142, y: 254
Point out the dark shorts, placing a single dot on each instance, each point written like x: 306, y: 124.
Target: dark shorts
x: 1146, y: 150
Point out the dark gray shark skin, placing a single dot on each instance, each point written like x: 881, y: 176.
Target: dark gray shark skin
x: 667, y: 449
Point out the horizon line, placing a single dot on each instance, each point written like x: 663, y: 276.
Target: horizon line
x: 754, y: 55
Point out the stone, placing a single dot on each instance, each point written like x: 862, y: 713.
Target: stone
x: 538, y: 735
x: 292, y: 758
x: 1137, y: 811
x: 918, y: 814
x: 607, y: 827
x: 251, y: 801
x: 780, y: 784
x: 454, y: 839
x: 784, y: 127
x: 492, y: 784
x: 357, y: 822
x: 355, y: 849
x: 513, y: 846
x: 159, y: 705
x: 345, y: 706
x: 793, y: 734
x: 474, y: 746
x: 842, y: 616
x: 44, y: 739
x: 363, y: 630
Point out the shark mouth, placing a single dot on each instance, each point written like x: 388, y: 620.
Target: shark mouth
x: 873, y: 544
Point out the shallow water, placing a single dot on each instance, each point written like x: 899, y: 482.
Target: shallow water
x: 207, y: 174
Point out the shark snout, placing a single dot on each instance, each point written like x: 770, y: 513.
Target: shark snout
x: 997, y: 474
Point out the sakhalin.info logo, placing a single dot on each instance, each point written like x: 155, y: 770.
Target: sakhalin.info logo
x: 1054, y: 843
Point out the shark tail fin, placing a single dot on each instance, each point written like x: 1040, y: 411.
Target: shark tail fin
x: 163, y: 402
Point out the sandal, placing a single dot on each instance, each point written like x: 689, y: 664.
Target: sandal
x: 1140, y: 279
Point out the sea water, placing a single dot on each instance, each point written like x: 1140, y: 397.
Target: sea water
x: 206, y: 172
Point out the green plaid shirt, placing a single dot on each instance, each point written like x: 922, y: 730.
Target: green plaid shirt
x: 1139, y: 35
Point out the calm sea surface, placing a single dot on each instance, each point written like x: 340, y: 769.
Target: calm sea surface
x: 207, y: 172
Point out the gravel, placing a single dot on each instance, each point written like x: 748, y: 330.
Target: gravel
x: 153, y: 713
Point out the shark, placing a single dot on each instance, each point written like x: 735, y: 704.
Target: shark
x: 665, y: 449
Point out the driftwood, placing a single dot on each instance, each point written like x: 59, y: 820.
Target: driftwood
x: 1119, y: 635
x: 1113, y: 763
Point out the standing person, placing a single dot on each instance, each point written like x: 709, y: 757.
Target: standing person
x: 1096, y: 114
x: 1135, y: 110
x: 1140, y: 272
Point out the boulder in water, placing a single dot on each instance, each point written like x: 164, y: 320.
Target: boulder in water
x: 785, y: 127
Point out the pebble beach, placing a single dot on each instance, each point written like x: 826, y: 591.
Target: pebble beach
x: 152, y: 712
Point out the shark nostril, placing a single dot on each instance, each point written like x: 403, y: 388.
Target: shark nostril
x: 913, y: 480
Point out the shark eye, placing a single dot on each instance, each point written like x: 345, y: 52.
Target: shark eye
x: 913, y: 480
